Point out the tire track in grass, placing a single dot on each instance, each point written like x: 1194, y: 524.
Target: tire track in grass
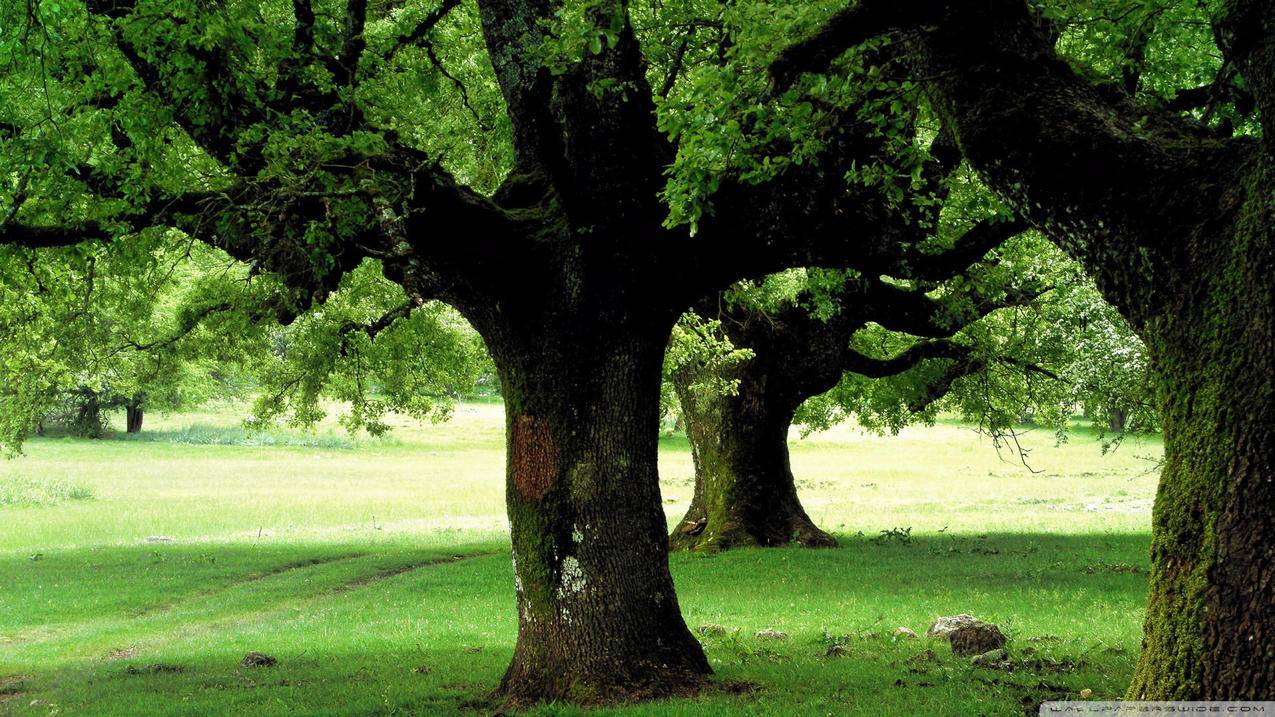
x: 52, y: 631
x: 239, y: 604
x: 246, y: 580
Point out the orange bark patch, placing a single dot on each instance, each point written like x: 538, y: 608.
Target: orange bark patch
x: 535, y: 457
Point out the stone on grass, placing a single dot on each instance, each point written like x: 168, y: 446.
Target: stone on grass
x: 712, y: 628
x: 903, y: 633
x: 991, y: 658
x: 944, y: 626
x: 976, y: 639
x: 769, y: 634
x: 258, y: 659
x: 158, y: 539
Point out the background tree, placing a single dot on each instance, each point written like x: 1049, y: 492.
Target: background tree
x: 1169, y: 202
x: 817, y: 348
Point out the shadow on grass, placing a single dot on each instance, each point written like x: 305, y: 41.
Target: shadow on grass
x: 435, y: 640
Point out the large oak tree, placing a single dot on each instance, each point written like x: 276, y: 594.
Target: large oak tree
x: 300, y: 138
x: 1175, y: 219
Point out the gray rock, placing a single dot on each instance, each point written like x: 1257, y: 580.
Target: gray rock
x: 944, y: 626
x: 903, y: 633
x: 769, y: 634
x: 991, y: 658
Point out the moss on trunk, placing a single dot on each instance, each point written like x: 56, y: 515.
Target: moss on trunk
x: 745, y: 494
x: 598, y: 618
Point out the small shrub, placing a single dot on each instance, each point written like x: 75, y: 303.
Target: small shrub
x: 897, y: 535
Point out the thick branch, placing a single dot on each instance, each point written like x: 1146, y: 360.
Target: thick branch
x: 48, y: 237
x: 1114, y: 184
x: 972, y: 246
x: 852, y: 26
x: 1245, y: 30
x: 423, y: 28
x: 912, y: 357
x: 213, y: 116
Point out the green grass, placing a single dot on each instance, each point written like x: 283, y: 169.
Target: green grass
x: 377, y: 572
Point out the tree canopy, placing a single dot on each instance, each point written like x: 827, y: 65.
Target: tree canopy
x: 572, y: 176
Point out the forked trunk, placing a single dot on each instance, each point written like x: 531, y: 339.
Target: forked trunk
x: 598, y: 618
x: 744, y: 489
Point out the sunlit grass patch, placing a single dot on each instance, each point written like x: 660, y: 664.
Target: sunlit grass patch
x: 21, y: 490
x: 205, y: 435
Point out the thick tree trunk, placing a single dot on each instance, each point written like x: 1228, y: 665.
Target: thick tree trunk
x: 744, y: 489
x: 133, y: 418
x: 598, y: 618
x: 1210, y: 624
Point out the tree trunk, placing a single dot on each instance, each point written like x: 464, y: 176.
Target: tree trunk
x: 133, y: 414
x: 1116, y: 417
x: 1210, y: 624
x: 598, y: 618
x: 744, y: 489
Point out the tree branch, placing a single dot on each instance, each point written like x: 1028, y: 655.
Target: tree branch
x: 371, y: 330
x: 49, y: 237
x: 422, y: 28
x: 852, y: 26
x: 1114, y: 184
x: 972, y: 246
x: 912, y: 357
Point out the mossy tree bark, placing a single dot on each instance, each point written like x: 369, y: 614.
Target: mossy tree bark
x: 745, y: 493
x: 598, y: 618
x: 1210, y: 624
x: 1176, y: 222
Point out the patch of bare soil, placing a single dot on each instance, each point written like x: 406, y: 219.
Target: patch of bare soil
x: 155, y: 668
x: 11, y: 686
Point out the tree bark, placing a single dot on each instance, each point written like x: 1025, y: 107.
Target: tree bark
x: 745, y: 494
x: 1210, y: 623
x: 598, y: 617
x: 133, y: 418
x: 1177, y: 227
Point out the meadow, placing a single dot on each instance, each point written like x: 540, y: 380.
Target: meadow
x: 136, y: 572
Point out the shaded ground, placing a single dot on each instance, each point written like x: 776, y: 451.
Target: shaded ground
x: 378, y: 577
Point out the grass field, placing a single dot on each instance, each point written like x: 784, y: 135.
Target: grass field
x: 135, y: 573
